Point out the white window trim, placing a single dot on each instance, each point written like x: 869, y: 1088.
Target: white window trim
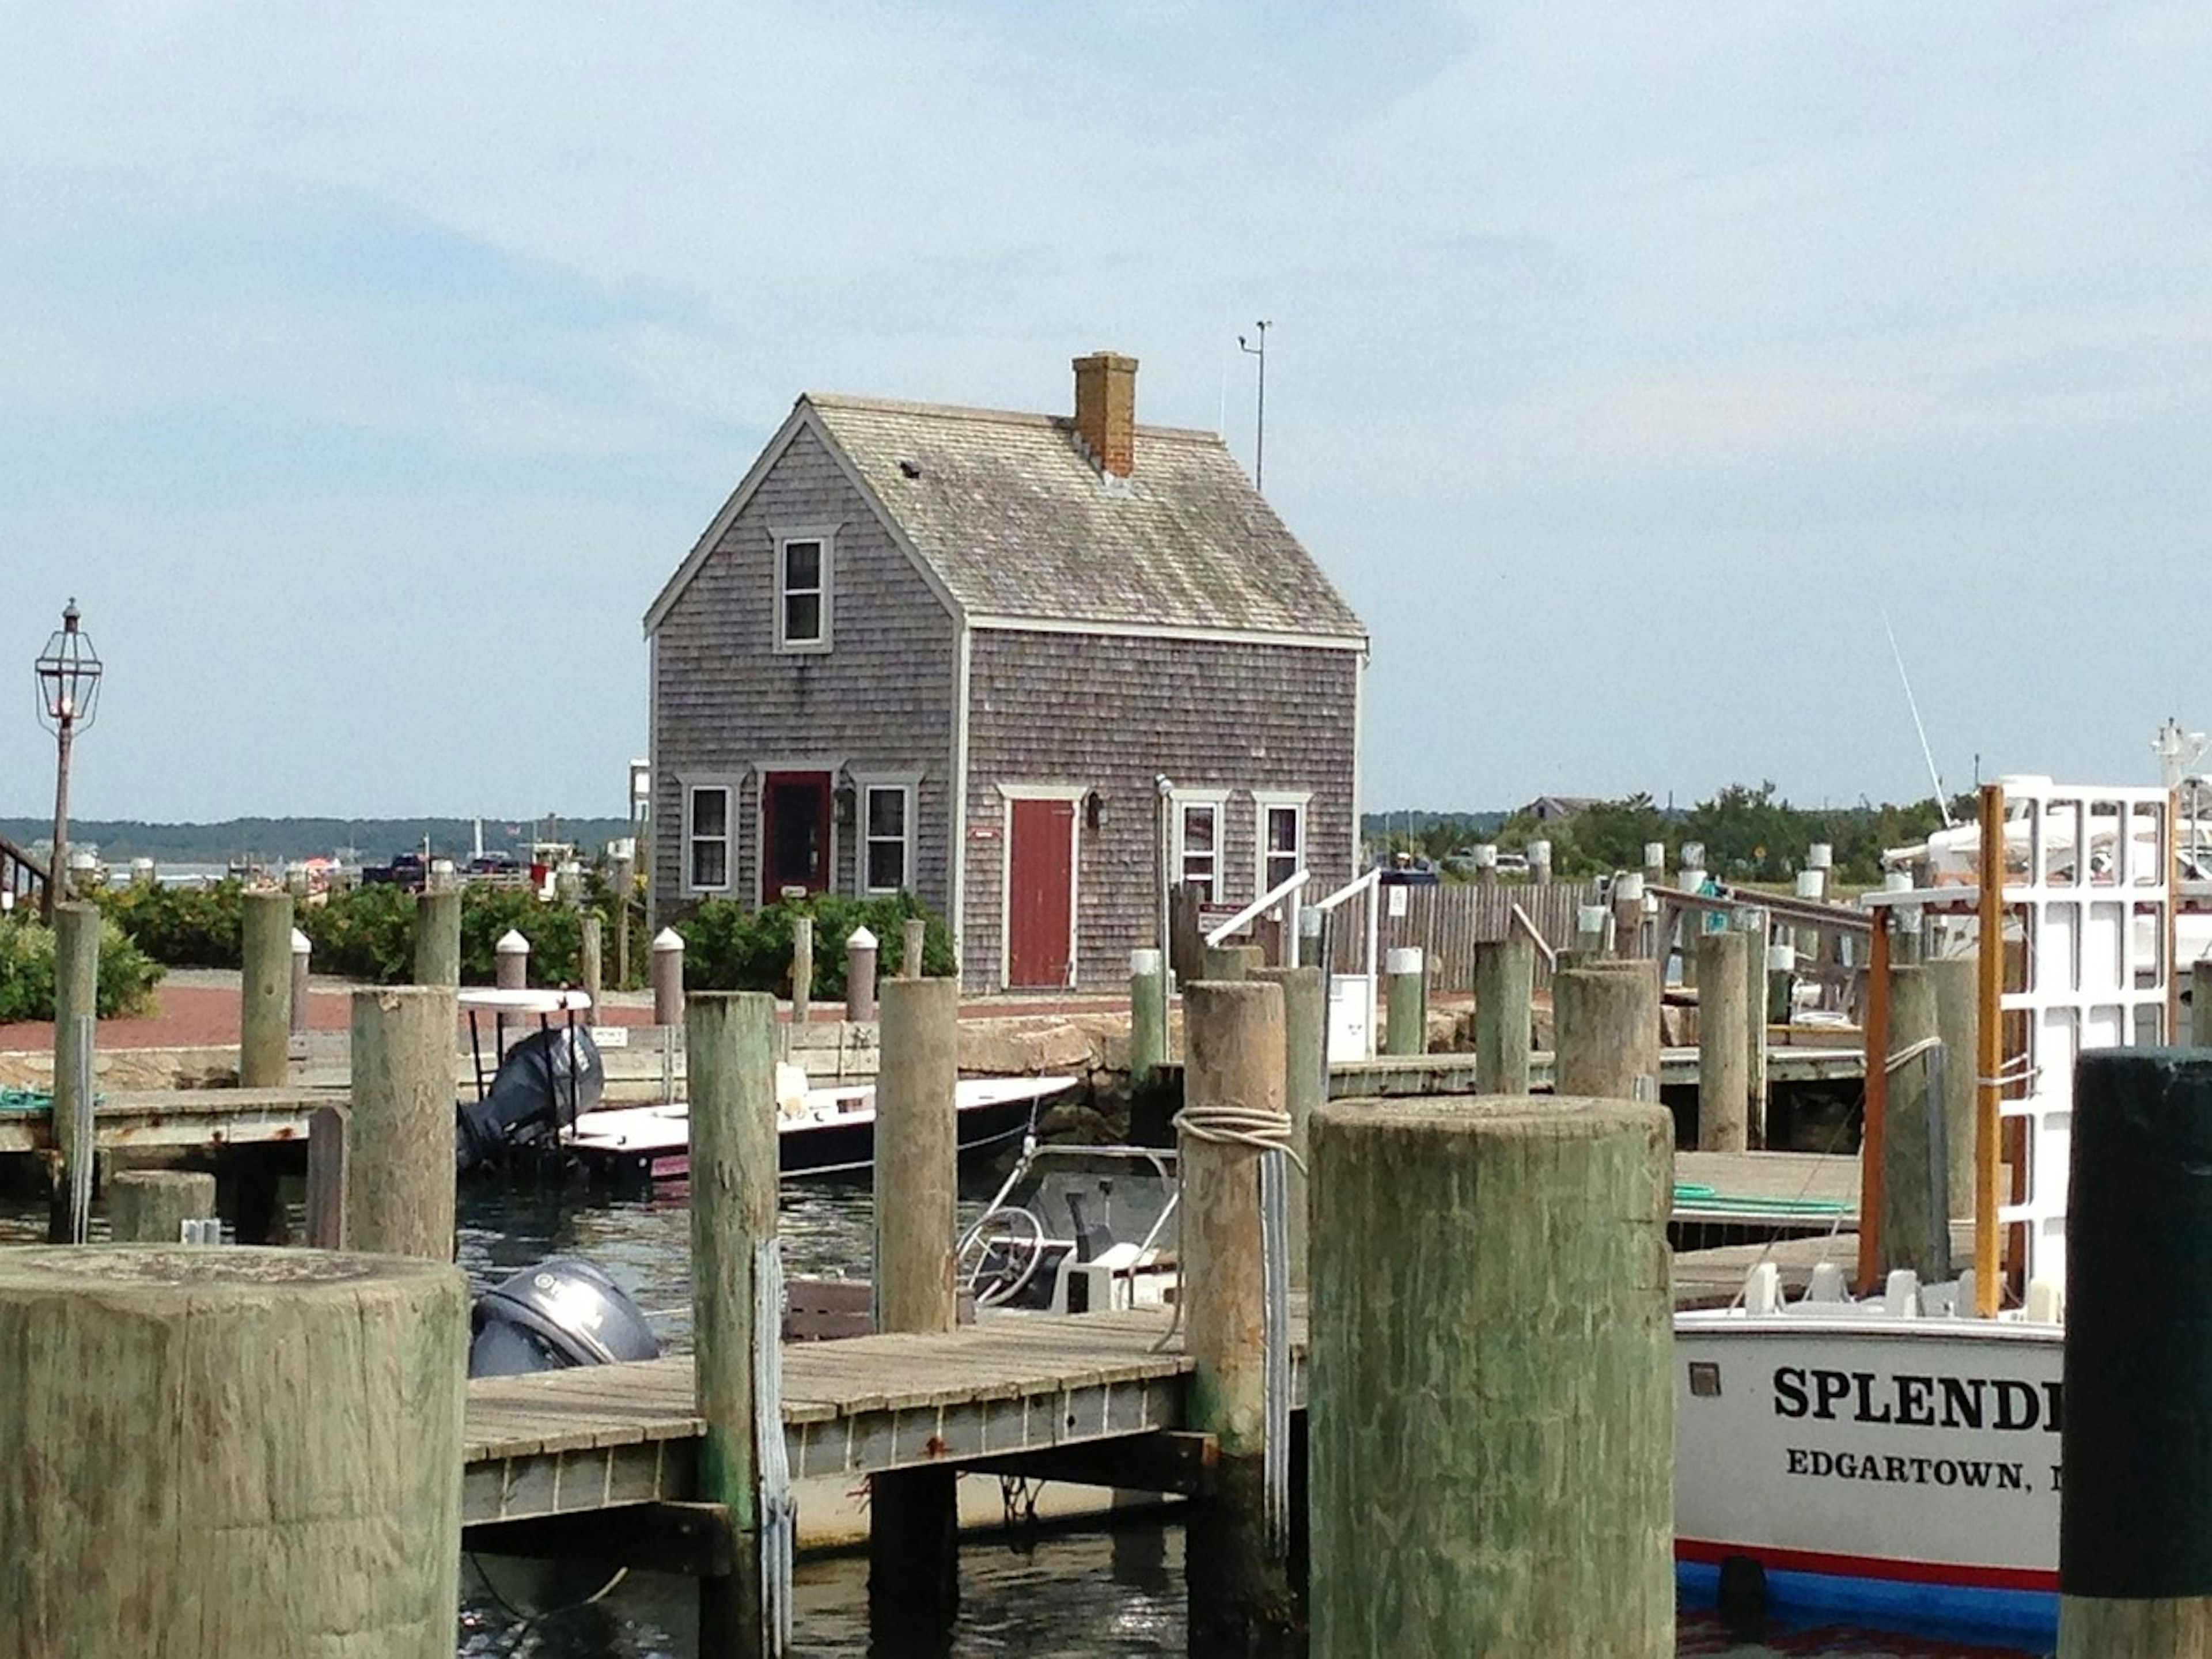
x: 1218, y: 800
x: 826, y: 535
x: 1073, y: 794
x: 1263, y: 801
x: 910, y: 784
x: 729, y: 837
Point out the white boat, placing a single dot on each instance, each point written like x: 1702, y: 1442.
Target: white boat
x: 1900, y: 1452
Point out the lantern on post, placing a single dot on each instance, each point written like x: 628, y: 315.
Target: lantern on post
x: 69, y: 697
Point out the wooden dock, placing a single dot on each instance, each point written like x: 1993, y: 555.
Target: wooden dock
x: 177, y: 1118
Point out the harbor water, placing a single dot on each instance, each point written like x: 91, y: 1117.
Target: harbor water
x: 1048, y: 1594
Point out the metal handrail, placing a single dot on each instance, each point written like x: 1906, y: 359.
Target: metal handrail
x: 1260, y: 907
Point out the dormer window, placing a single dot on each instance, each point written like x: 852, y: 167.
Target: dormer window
x: 803, y: 563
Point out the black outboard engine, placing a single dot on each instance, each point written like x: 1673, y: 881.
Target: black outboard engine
x: 548, y: 1081
x: 562, y: 1312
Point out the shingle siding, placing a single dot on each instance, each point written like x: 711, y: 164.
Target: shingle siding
x: 879, y: 701
x: 1112, y: 713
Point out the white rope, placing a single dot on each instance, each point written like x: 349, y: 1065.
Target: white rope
x: 1264, y: 1129
x: 1912, y: 1051
x: 779, y: 1510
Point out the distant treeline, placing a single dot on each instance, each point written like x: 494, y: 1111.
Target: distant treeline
x: 273, y: 839
x: 1748, y: 834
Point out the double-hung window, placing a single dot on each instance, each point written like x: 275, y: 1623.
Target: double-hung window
x: 1199, y: 844
x: 886, y: 837
x: 805, y: 561
x: 707, y: 837
x: 1279, y: 834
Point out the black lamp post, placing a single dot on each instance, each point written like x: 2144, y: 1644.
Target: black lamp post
x: 68, y: 696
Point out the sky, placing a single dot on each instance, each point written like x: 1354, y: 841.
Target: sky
x: 365, y: 370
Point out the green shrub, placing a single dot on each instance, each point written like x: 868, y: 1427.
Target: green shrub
x: 728, y: 947
x: 363, y: 933
x: 127, y: 976
x: 181, y: 926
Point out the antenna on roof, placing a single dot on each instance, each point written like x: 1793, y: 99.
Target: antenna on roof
x: 1259, y: 442
x: 1942, y: 800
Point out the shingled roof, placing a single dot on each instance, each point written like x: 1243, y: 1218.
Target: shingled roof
x: 1018, y: 522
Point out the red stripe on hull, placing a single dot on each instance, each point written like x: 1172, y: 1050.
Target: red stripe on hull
x: 1708, y: 1554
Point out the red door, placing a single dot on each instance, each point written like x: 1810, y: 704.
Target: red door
x: 1040, y: 894
x: 795, y: 833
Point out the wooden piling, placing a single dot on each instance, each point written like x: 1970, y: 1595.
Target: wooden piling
x: 1915, y: 1206
x: 1606, y: 1023
x: 1234, y: 1043
x: 1757, y: 926
x: 1505, y: 989
x: 1724, y: 1085
x: 914, y: 946
x: 2135, y: 1561
x: 265, y: 1044
x: 303, y: 949
x: 1226, y: 963
x: 234, y: 1454
x: 1148, y: 1016
x: 150, y: 1207
x: 327, y: 1151
x: 1306, y: 1087
x: 668, y: 977
x: 2200, y: 1003
x: 591, y: 964
x: 1958, y: 1014
x: 1504, y: 1417
x: 802, y: 968
x: 399, y: 1155
x: 860, y: 975
x: 1628, y: 915
x: 77, y: 1017
x: 1405, y: 1019
x: 913, y: 1558
x: 438, y: 936
x: 730, y: 1038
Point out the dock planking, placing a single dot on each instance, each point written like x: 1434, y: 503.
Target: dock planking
x: 177, y: 1118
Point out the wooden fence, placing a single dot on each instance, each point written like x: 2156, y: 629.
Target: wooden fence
x: 1448, y: 921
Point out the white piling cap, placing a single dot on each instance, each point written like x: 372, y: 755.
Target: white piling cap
x: 1781, y: 958
x: 1144, y: 963
x: 1540, y: 852
x: 301, y: 945
x: 1820, y: 856
x: 1590, y: 918
x: 442, y: 866
x: 1812, y: 884
x: 860, y: 939
x: 1485, y: 856
x: 1629, y: 885
x: 1897, y: 881
x: 668, y: 939
x: 512, y: 944
x: 1690, y: 878
x: 1655, y: 852
x: 1403, y: 959
x: 1693, y: 856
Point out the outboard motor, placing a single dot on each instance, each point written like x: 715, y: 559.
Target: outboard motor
x: 548, y: 1081
x: 561, y: 1313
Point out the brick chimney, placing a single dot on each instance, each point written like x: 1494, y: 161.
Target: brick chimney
x: 1106, y: 410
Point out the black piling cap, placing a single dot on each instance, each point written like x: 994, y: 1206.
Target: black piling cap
x: 2135, y: 1502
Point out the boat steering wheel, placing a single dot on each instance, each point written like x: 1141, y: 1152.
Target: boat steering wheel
x: 1004, y: 1265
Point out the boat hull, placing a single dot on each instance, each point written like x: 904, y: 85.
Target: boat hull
x: 1894, y: 1465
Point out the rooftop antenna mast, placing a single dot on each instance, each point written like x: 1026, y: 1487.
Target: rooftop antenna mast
x: 1942, y: 800
x: 1259, y: 442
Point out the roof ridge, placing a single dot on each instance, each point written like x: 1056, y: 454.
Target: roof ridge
x: 996, y: 416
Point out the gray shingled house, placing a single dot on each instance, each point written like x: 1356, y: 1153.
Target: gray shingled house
x: 1030, y: 667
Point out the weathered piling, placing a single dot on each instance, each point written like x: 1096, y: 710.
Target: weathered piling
x: 1591, y: 922
x: 1485, y: 863
x: 235, y: 1454
x: 2135, y: 1560
x: 150, y: 1207
x: 1148, y: 1014
x: 668, y: 977
x: 1781, y: 979
x: 438, y: 936
x: 1405, y: 1028
x: 1606, y: 1018
x: 1628, y: 915
x: 264, y: 1040
x: 1232, y: 1076
x: 1758, y: 928
x: 1916, y: 1198
x: 914, y: 945
x: 77, y: 1019
x: 730, y: 1038
x: 1225, y: 963
x: 510, y: 957
x: 1305, y: 1088
x: 1958, y: 1016
x: 1504, y: 1416
x: 591, y: 958
x: 399, y: 1152
x: 2200, y: 1003
x: 914, y: 1518
x: 1539, y: 853
x: 303, y: 951
x: 327, y: 1153
x: 802, y: 968
x: 1505, y: 989
x: 1723, y: 1082
x: 860, y: 975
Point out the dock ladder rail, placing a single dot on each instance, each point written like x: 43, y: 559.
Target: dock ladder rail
x: 1371, y: 884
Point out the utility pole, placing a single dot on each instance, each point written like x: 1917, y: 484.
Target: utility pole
x: 1259, y: 441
